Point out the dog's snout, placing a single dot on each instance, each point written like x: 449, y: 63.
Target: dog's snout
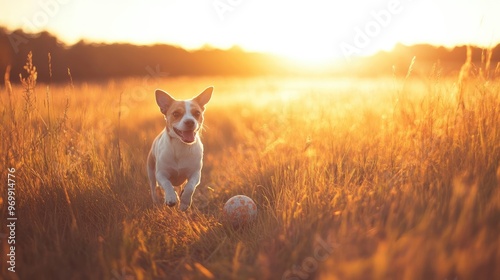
x: 189, y: 123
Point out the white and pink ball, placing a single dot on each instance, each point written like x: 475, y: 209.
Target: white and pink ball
x: 240, y: 210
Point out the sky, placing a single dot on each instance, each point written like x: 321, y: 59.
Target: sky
x: 313, y: 30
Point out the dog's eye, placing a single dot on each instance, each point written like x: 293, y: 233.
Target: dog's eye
x: 196, y: 114
x: 176, y: 114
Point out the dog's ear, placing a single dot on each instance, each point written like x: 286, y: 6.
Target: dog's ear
x: 164, y: 100
x: 204, y: 97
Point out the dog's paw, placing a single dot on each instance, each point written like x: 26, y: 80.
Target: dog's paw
x: 171, y: 198
x: 185, y: 201
x: 183, y: 207
x: 171, y: 202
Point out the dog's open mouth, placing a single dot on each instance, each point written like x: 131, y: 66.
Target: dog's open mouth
x: 187, y: 136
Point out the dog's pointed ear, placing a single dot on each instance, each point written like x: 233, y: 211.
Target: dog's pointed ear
x: 204, y: 97
x: 164, y: 100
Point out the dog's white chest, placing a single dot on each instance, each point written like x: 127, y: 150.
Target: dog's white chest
x: 179, y: 160
x: 186, y: 158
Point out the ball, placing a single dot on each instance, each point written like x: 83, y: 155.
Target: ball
x: 240, y: 210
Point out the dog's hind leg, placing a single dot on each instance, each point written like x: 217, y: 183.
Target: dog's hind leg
x: 151, y: 166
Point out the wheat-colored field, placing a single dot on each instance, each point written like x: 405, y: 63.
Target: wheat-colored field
x: 395, y: 178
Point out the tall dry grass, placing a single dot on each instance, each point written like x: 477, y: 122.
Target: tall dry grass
x: 392, y: 178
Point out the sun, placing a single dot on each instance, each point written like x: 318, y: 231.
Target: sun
x: 308, y: 34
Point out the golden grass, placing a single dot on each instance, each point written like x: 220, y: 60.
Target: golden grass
x: 354, y: 179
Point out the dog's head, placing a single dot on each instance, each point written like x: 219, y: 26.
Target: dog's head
x: 184, y: 118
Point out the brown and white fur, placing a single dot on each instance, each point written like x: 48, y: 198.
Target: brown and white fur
x: 177, y: 152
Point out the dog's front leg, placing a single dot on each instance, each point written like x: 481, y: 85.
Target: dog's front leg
x: 189, y: 188
x: 171, y: 197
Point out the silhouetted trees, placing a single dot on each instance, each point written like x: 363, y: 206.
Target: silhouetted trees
x: 102, y: 61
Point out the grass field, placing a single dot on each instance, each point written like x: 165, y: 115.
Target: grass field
x: 395, y: 178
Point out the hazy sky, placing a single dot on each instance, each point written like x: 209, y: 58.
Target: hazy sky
x: 308, y: 30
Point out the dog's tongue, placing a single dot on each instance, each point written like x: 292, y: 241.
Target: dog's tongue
x: 188, y: 136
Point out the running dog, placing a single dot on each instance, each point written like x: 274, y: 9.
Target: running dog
x: 176, y: 155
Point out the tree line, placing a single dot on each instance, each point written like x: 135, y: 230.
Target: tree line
x: 91, y: 61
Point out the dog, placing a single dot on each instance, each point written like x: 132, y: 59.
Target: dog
x: 176, y: 155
